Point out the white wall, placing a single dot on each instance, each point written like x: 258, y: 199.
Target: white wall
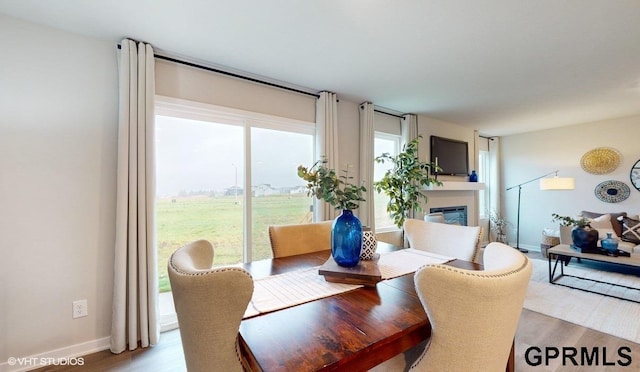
x: 194, y: 84
x: 530, y: 155
x: 349, y: 136
x: 58, y: 134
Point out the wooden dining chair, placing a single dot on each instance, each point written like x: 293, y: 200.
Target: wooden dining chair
x: 461, y: 242
x: 210, y: 304
x: 473, y: 314
x: 289, y: 240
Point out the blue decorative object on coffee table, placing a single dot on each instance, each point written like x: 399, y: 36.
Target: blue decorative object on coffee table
x: 586, y: 240
x: 609, y: 243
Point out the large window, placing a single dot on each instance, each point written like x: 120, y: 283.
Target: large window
x: 224, y: 175
x: 383, y: 143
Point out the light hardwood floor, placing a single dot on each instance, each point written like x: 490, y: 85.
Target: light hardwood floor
x: 534, y: 330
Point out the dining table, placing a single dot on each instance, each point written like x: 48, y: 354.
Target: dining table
x: 353, y: 330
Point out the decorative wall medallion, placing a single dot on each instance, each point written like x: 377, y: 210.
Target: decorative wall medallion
x: 601, y: 160
x: 635, y: 175
x: 612, y: 191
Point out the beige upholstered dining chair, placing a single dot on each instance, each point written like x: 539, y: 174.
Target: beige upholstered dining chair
x: 210, y: 304
x: 473, y: 314
x: 462, y: 242
x: 289, y: 240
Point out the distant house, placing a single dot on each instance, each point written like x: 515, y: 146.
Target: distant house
x: 298, y: 190
x: 233, y: 191
x: 264, y: 189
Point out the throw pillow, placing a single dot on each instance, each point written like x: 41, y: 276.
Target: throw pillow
x: 630, y: 230
x: 603, y: 225
x: 614, y: 216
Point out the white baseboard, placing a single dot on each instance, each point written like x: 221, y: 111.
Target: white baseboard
x: 534, y: 248
x: 168, y: 322
x: 71, y: 355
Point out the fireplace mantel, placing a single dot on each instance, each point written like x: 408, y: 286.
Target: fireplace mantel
x: 456, y: 186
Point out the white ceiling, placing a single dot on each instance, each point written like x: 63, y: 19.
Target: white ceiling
x: 499, y: 66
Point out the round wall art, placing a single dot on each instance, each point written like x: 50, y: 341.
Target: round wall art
x: 601, y: 160
x: 612, y: 191
x: 635, y: 175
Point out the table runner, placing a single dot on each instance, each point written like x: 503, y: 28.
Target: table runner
x: 405, y: 261
x: 297, y: 287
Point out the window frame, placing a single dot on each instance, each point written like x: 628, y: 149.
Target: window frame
x: 180, y: 108
x: 397, y: 139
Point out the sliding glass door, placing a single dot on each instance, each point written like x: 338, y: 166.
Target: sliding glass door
x: 225, y: 175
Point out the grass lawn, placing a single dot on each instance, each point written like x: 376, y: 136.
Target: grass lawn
x: 219, y: 219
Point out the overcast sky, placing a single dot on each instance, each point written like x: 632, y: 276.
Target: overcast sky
x: 195, y: 155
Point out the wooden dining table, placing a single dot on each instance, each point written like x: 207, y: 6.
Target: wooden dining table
x: 350, y: 331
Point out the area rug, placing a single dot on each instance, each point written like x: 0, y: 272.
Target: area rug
x: 605, y: 314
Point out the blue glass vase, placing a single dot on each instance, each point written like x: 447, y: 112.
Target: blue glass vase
x: 346, y: 239
x: 609, y: 243
x: 473, y: 177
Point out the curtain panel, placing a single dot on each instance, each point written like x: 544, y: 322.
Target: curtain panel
x: 327, y: 144
x: 409, y: 130
x: 135, y: 289
x: 367, y: 138
x: 494, y: 181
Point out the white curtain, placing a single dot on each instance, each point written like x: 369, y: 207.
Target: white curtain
x: 495, y: 180
x: 409, y: 131
x: 367, y: 136
x: 409, y: 128
x: 135, y: 288
x: 327, y: 143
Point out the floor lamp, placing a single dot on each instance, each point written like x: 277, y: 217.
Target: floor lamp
x: 555, y: 183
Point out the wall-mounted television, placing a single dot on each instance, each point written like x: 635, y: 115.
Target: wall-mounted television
x: 450, y: 155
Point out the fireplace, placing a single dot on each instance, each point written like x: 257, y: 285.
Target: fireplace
x: 456, y: 215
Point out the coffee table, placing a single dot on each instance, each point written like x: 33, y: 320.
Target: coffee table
x: 563, y: 253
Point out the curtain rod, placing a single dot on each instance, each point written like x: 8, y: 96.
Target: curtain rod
x: 191, y: 64
x: 388, y: 113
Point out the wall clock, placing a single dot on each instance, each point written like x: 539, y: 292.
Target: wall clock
x: 635, y: 175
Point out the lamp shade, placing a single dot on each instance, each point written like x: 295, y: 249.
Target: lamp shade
x: 557, y: 183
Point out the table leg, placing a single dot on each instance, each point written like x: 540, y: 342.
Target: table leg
x: 552, y: 272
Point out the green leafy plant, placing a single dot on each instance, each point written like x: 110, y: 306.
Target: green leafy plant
x: 569, y: 221
x: 325, y: 184
x: 403, y: 183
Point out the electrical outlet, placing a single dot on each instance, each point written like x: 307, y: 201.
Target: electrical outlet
x: 80, y: 309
